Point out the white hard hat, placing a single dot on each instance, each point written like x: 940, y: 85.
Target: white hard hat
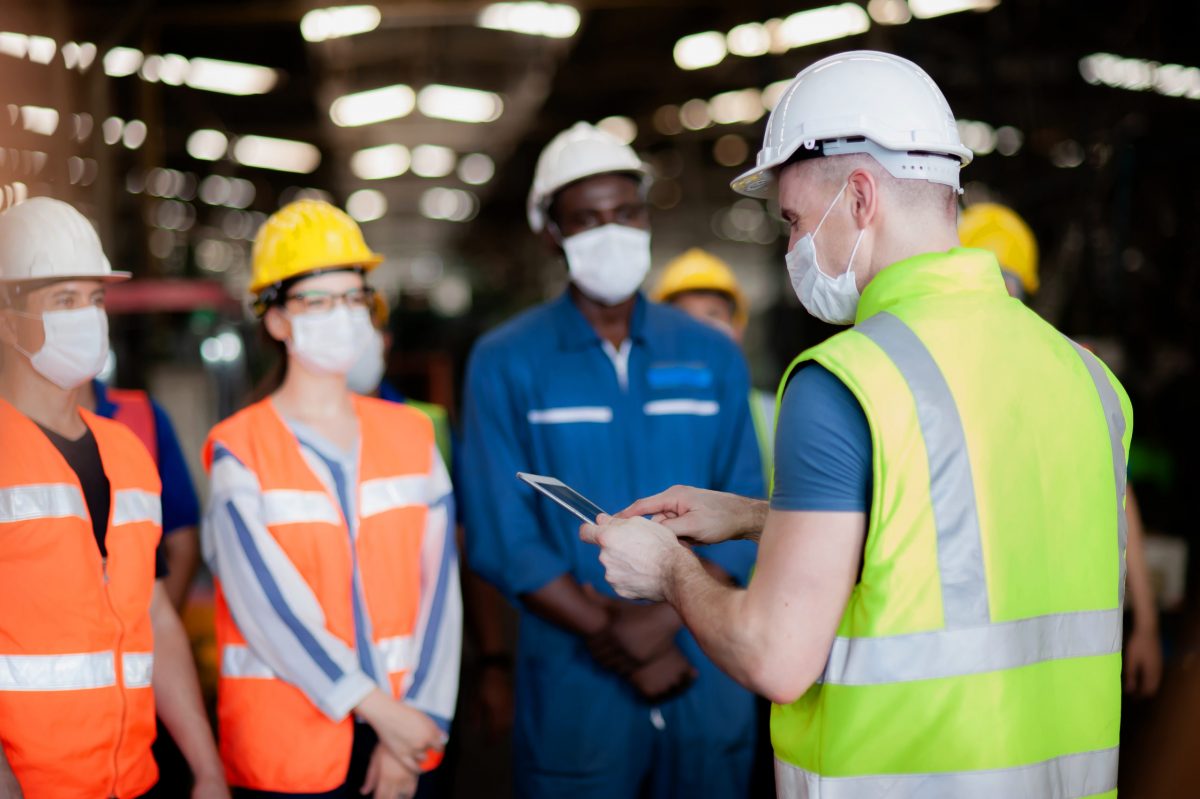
x: 578, y: 152
x: 862, y: 102
x: 47, y: 239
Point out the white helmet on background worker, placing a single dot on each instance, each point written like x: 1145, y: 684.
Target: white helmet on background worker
x: 862, y: 102
x: 45, y: 241
x: 580, y: 151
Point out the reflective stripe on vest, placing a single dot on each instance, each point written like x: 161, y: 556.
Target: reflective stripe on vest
x: 969, y: 644
x: 390, y: 493
x: 45, y: 501
x: 240, y: 661
x: 288, y: 506
x: 131, y: 506
x: 1066, y: 777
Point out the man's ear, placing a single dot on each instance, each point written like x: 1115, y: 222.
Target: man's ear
x: 863, y: 189
x: 277, y: 324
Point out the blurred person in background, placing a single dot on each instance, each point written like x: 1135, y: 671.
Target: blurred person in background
x: 936, y: 609
x: 614, y: 395
x: 705, y: 288
x: 1003, y: 232
x: 90, y: 644
x: 329, y: 533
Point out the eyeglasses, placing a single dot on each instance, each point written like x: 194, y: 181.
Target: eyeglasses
x: 317, y: 301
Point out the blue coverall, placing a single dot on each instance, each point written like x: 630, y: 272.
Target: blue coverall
x: 543, y: 396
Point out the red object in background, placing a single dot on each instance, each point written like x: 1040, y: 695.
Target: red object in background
x: 169, y: 296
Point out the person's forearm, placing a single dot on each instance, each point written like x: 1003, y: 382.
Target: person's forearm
x: 753, y: 516
x: 712, y: 611
x: 177, y: 695
x: 1141, y: 590
x: 9, y: 787
x: 182, y: 549
x: 563, y: 602
x: 484, y: 607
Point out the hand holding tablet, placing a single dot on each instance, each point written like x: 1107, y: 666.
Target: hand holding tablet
x: 565, y: 496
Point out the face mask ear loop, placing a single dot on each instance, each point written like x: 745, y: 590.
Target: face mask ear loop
x: 841, y: 191
x: 857, y: 241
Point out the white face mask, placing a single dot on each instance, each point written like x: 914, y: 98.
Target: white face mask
x: 830, y: 299
x: 75, y: 348
x: 609, y: 262
x: 366, y: 373
x: 330, y: 341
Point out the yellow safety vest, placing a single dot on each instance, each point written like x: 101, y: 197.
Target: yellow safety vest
x: 979, y: 655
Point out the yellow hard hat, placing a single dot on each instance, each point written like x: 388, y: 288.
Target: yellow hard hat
x: 307, y: 236
x: 994, y: 227
x: 697, y: 270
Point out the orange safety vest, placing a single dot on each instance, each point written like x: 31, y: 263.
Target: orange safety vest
x: 272, y: 737
x: 76, y: 644
x: 135, y: 411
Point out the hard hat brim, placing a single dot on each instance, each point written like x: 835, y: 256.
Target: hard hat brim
x: 109, y: 277
x: 366, y: 265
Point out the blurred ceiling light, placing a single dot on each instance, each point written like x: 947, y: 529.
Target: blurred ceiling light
x: 87, y: 55
x: 454, y: 205
x: 384, y: 161
x: 111, y: 129
x: 42, y: 49
x: 1136, y: 74
x: 1067, y: 154
x: 980, y: 137
x: 771, y: 94
x: 823, y: 25
x: 70, y: 55
x: 451, y: 296
x: 175, y: 69
x: 731, y: 150
x: 623, y: 128
x: 230, y: 77
x: 366, y: 205
x: 14, y: 44
x: 700, y: 50
x: 372, y: 105
x: 1009, y: 140
x: 134, y: 135
x: 215, y: 190
x: 283, y: 155
x: 432, y: 160
x: 241, y: 193
x: 151, y: 68
x: 925, y: 9
x: 730, y: 108
x: 78, y: 55
x: 37, y: 119
x: 459, y: 104
x: 751, y: 39
x: 889, y: 12
x: 693, y: 115
x: 339, y: 21
x: 207, y: 145
x: 534, y: 18
x: 122, y: 61
x: 476, y: 169
x: 81, y: 126
x: 666, y: 120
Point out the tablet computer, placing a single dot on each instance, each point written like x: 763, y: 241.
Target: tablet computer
x: 564, y: 495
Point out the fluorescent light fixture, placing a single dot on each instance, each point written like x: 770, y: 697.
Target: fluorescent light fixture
x: 433, y: 161
x: 14, y: 44
x: 553, y: 20
x: 459, y: 104
x: 624, y: 128
x: 823, y: 25
x: 339, y: 21
x: 454, y: 205
x: 751, y: 39
x: 378, y: 163
x: 230, y: 77
x: 373, y: 105
x: 42, y: 49
x: 1009, y: 140
x: 476, y: 169
x: 1136, y: 74
x: 700, y: 50
x: 980, y: 137
x: 207, y: 145
x: 87, y: 54
x: 693, y: 115
x: 134, y: 135
x: 366, y: 205
x: 122, y: 61
x: 283, y: 155
x: 889, y: 12
x: 174, y: 69
x: 731, y: 108
x: 37, y: 119
x: 926, y: 9
x: 111, y: 129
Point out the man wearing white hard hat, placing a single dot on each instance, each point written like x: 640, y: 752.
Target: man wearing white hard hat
x: 90, y: 644
x: 936, y: 610
x: 618, y: 397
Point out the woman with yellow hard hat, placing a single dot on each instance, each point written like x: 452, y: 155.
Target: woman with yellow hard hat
x: 329, y: 533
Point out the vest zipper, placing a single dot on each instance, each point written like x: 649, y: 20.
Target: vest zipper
x: 121, y: 685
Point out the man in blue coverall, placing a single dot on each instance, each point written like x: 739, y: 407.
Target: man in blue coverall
x: 614, y: 699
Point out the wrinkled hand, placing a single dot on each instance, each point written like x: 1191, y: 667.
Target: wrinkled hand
x: 387, y: 778
x: 700, y: 516
x: 407, y: 733
x: 495, y: 702
x: 1143, y: 663
x: 669, y: 675
x: 210, y: 788
x: 635, y: 554
x: 636, y: 633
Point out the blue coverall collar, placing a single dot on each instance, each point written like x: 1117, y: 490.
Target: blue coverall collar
x: 576, y: 333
